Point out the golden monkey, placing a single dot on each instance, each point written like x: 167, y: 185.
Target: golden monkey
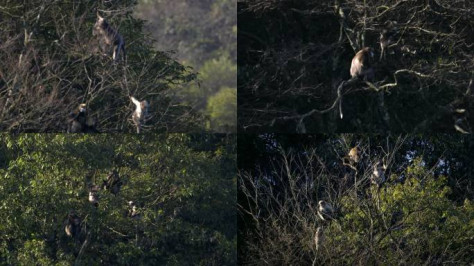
x: 354, y: 154
x: 361, y: 65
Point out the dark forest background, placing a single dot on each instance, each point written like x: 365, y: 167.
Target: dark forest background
x: 293, y: 55
x: 422, y: 214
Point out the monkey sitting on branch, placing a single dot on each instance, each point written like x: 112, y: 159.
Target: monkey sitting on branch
x: 353, y: 158
x: 73, y: 225
x: 93, y: 195
x: 325, y: 211
x: 386, y: 38
x: 378, y: 174
x: 107, y: 37
x: 133, y: 211
x: 79, y: 122
x: 361, y: 69
x: 361, y: 65
x: 113, y: 183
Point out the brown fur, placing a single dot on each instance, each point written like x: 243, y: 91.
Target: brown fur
x: 361, y: 65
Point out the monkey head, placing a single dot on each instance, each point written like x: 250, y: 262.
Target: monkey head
x: 82, y: 108
x: 99, y: 24
x: 354, y: 154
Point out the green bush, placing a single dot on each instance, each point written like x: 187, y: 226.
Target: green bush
x: 182, y: 184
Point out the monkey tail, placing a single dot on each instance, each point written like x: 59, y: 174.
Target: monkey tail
x: 340, y: 108
x: 339, y: 96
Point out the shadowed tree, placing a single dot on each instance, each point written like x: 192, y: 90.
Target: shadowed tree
x: 294, y: 58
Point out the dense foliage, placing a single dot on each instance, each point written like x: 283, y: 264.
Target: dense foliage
x: 422, y: 215
x: 204, y: 35
x: 51, y: 63
x: 294, y: 60
x: 184, y: 187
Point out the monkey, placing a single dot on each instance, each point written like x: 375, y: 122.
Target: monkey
x: 460, y: 125
x: 110, y: 37
x: 353, y: 158
x: 73, y: 226
x: 79, y: 122
x: 133, y: 211
x: 325, y: 211
x: 77, y: 119
x: 385, y: 40
x: 111, y: 177
x: 408, y: 50
x: 386, y: 37
x: 93, y: 197
x: 378, y: 174
x: 354, y: 154
x: 460, y: 121
x: 361, y: 65
x: 140, y: 112
x: 113, y: 183
x: 319, y: 237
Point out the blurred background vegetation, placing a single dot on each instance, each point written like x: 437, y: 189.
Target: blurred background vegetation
x: 184, y: 185
x: 422, y: 215
x: 201, y: 34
